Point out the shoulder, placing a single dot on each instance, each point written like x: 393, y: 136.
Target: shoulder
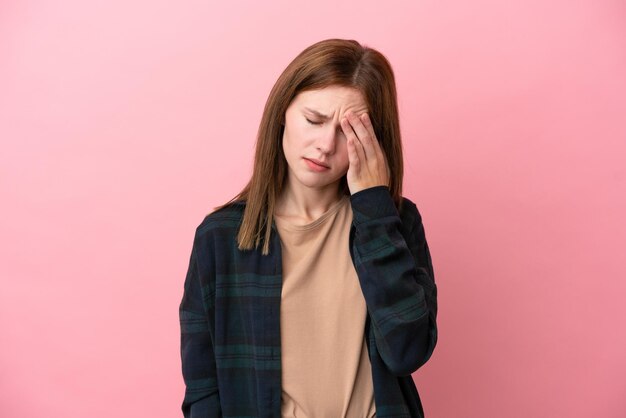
x: 227, y: 217
x: 215, y: 235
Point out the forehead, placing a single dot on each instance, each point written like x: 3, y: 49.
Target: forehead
x: 333, y: 96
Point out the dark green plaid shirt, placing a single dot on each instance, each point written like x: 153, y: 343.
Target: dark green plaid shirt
x: 230, y: 311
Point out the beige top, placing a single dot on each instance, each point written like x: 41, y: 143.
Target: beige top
x: 326, y: 371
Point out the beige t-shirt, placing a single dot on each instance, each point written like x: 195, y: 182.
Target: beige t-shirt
x: 326, y: 371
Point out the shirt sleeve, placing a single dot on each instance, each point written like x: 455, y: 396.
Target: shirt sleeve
x: 395, y: 270
x: 196, y: 346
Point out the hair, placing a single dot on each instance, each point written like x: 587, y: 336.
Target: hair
x: 330, y: 62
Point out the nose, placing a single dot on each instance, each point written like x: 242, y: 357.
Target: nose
x: 328, y: 140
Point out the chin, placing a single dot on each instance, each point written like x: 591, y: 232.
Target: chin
x: 319, y: 182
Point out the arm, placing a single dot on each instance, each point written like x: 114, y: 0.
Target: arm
x: 397, y: 278
x: 196, y: 347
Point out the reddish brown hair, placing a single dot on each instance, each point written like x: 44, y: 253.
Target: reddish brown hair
x: 329, y: 62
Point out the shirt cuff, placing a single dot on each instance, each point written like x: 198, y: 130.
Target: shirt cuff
x: 371, y: 203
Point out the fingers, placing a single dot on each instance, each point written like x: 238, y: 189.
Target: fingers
x: 363, y: 134
x: 364, y: 150
x: 353, y: 141
x: 352, y: 155
x: 367, y: 123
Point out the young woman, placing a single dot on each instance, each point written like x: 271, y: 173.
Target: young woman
x: 311, y: 293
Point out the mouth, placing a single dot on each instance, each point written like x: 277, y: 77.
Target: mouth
x: 317, y: 162
x: 313, y: 165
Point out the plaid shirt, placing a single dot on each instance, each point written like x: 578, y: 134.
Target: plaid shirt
x: 230, y: 311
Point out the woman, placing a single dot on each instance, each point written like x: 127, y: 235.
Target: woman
x: 311, y: 293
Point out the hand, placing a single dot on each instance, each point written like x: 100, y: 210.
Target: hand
x: 368, y: 163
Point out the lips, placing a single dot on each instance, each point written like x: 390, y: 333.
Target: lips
x: 318, y: 162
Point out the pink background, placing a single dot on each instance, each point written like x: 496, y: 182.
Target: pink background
x: 124, y: 122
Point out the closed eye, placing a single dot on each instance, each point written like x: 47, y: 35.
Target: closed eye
x: 339, y: 130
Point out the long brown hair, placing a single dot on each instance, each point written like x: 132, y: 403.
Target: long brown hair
x: 338, y: 62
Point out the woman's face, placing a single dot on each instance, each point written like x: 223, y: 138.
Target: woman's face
x: 313, y: 131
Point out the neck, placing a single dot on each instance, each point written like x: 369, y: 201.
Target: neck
x: 306, y: 202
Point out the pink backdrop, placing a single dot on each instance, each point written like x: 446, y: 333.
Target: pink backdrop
x: 124, y: 122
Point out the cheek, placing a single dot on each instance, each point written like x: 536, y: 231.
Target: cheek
x: 342, y: 154
x: 290, y: 141
x: 297, y: 137
x: 284, y: 143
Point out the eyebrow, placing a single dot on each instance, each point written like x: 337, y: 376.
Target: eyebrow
x: 316, y: 113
